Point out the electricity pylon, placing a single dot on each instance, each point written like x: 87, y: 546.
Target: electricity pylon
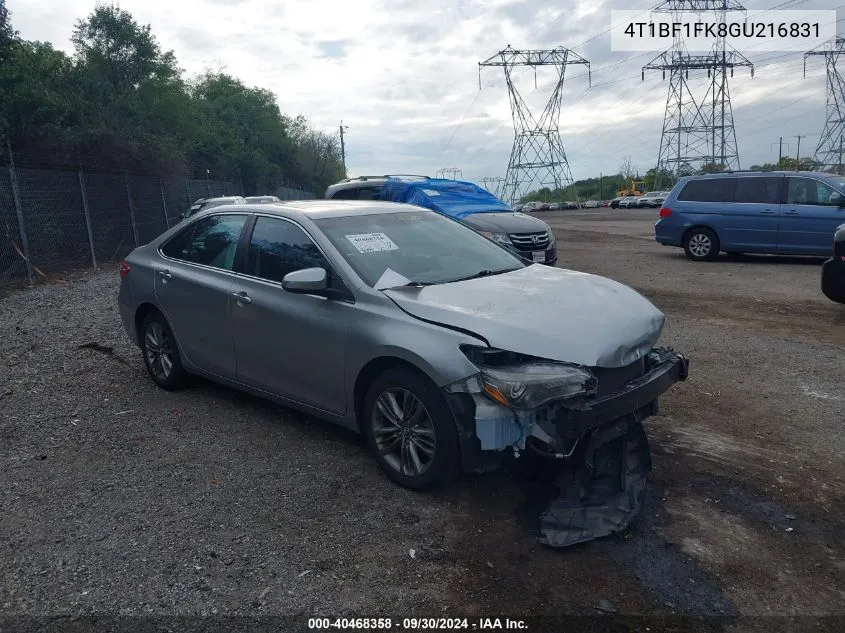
x: 537, y: 158
x: 697, y: 132
x: 829, y: 149
x: 495, y: 181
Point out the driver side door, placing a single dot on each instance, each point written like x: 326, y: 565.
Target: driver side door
x: 292, y: 345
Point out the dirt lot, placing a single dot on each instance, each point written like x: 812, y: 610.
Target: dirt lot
x: 121, y: 499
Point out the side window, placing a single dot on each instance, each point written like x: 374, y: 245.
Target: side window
x: 212, y: 241
x: 810, y: 191
x: 346, y: 194
x: 279, y: 247
x: 758, y: 190
x: 708, y: 190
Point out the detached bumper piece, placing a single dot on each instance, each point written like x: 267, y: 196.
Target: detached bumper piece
x: 604, y: 496
x: 602, y: 489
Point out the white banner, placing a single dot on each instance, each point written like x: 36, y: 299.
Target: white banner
x: 747, y: 32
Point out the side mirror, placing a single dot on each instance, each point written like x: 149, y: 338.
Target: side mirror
x: 839, y: 201
x: 306, y: 281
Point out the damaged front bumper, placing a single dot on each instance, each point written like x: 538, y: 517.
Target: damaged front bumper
x: 599, y: 439
x: 487, y: 427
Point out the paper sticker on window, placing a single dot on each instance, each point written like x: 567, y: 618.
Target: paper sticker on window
x: 372, y: 242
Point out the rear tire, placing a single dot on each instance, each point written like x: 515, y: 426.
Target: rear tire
x: 701, y: 244
x: 161, y: 354
x: 410, y: 430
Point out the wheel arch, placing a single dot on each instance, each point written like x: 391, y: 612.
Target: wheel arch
x: 371, y: 370
x: 700, y: 225
x: 140, y: 314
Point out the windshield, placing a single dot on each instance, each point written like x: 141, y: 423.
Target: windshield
x: 419, y: 247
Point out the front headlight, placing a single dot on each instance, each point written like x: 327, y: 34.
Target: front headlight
x: 532, y: 383
x: 501, y: 238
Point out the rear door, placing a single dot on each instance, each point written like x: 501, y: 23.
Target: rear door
x: 752, y: 225
x: 809, y: 217
x: 193, y: 280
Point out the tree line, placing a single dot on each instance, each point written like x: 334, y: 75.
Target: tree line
x: 120, y: 102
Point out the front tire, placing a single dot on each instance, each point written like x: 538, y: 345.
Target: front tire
x: 410, y: 430
x: 701, y: 244
x: 161, y: 354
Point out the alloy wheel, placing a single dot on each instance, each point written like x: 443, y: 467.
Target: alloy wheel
x: 159, y: 351
x: 404, y: 432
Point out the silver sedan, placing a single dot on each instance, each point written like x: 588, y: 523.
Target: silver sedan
x: 446, y: 351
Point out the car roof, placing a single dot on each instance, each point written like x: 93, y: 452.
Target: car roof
x: 739, y: 174
x: 220, y: 199
x: 316, y: 209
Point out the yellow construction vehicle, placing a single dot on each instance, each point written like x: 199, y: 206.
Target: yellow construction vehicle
x: 636, y: 188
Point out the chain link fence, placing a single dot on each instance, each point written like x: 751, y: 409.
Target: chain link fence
x: 54, y: 221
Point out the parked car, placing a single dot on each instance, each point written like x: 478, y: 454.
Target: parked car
x: 444, y: 349
x: 262, y: 199
x: 615, y: 202
x: 524, y: 235
x: 363, y: 187
x: 208, y: 203
x: 530, y: 207
x: 650, y: 199
x: 786, y: 213
x: 591, y: 204
x: 833, y: 270
x: 517, y: 207
x: 629, y: 202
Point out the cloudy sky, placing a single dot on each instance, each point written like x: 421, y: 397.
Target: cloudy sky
x: 403, y: 75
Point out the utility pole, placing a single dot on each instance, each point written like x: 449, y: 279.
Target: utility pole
x: 839, y: 171
x: 601, y: 191
x: 342, y: 129
x: 798, y: 151
x: 780, y: 145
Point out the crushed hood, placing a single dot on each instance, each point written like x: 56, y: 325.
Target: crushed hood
x: 547, y: 312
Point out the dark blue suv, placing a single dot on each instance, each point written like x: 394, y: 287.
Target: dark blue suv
x: 781, y: 213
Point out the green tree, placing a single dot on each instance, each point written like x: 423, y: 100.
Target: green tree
x: 132, y: 101
x: 35, y: 88
x: 7, y: 33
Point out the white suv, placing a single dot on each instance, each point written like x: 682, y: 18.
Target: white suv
x: 363, y: 187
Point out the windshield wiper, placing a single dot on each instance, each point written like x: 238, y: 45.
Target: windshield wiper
x: 483, y: 273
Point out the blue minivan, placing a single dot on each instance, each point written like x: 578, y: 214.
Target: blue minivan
x: 779, y: 213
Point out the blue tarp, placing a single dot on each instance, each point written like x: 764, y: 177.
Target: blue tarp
x: 454, y: 198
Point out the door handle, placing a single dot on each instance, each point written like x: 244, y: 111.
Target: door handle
x: 767, y: 212
x: 242, y: 297
x: 165, y: 274
x: 791, y: 212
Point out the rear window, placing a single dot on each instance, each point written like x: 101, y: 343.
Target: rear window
x: 708, y: 190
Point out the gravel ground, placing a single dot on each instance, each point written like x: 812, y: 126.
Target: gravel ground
x: 122, y: 499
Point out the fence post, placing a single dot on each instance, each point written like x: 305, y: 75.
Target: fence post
x: 87, y: 217
x: 188, y: 193
x: 163, y: 203
x: 19, y: 211
x: 131, y: 209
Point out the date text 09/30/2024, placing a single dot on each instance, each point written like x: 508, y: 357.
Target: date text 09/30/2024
x: 416, y: 624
